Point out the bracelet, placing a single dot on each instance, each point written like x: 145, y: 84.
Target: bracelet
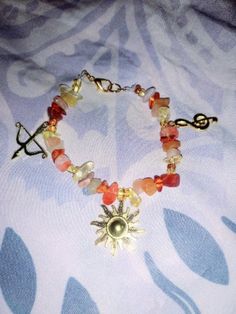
x: 118, y: 225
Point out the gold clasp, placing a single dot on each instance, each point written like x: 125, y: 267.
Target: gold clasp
x: 103, y: 84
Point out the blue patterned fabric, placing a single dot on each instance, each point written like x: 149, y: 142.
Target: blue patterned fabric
x: 185, y: 262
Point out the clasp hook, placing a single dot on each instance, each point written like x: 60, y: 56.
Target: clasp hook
x: 103, y: 84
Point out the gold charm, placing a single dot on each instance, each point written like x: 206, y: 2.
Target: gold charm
x: 23, y: 145
x: 117, y: 228
x: 200, y: 121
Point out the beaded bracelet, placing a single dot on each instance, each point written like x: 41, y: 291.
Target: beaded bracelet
x: 118, y: 225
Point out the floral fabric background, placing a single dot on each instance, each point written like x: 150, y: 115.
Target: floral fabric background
x: 186, y: 261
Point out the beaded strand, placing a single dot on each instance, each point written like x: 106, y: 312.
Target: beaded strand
x: 84, y: 175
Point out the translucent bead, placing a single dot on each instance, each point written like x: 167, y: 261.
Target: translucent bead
x: 69, y: 95
x: 56, y: 112
x: 81, y: 172
x: 148, y: 93
x: 134, y: 198
x: 173, y: 156
x: 163, y: 102
x: 110, y: 195
x: 47, y: 134
x: 154, y: 110
x: 60, y: 102
x: 171, y: 144
x: 62, y: 162
x: 153, y: 99
x: 85, y: 182
x: 92, y: 187
x: 169, y: 133
x: 53, y: 143
x: 137, y: 186
x: 163, y: 113
x: 159, y: 183
x: 149, y: 186
x: 171, y: 179
x: 103, y: 187
x: 56, y: 153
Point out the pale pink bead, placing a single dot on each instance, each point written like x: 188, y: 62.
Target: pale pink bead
x: 155, y: 110
x: 53, y: 143
x: 85, y: 182
x: 62, y: 162
x: 173, y: 156
x: 173, y: 152
x: 137, y: 186
x: 60, y: 102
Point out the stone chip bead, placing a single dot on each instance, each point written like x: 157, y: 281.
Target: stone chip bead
x: 85, y: 182
x: 60, y: 102
x: 56, y: 153
x: 137, y: 186
x: 53, y: 143
x: 169, y: 133
x: 62, y: 162
x: 149, y: 186
x: 163, y: 102
x: 69, y: 95
x: 159, y: 183
x: 163, y: 113
x: 171, y: 179
x: 91, y: 188
x: 153, y: 99
x: 56, y: 112
x: 81, y: 172
x: 103, y: 187
x: 170, y: 144
x: 110, y: 194
x: 134, y: 198
x: 173, y: 156
x: 48, y: 133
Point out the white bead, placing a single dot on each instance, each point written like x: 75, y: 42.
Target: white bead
x: 148, y: 93
x: 83, y: 171
x: 173, y: 155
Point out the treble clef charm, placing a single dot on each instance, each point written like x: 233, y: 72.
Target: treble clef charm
x: 200, y: 121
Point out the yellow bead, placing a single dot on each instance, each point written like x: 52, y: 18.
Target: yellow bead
x: 52, y: 128
x: 72, y: 169
x: 122, y: 194
x: 163, y: 114
x: 70, y: 99
x: 82, y: 171
x: 142, y: 92
x: 70, y: 94
x: 134, y: 198
x: 47, y: 134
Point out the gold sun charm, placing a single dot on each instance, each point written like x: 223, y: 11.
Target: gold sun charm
x: 117, y: 228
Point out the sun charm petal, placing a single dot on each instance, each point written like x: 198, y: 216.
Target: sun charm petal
x: 118, y: 227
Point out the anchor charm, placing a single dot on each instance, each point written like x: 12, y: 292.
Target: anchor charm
x: 31, y: 138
